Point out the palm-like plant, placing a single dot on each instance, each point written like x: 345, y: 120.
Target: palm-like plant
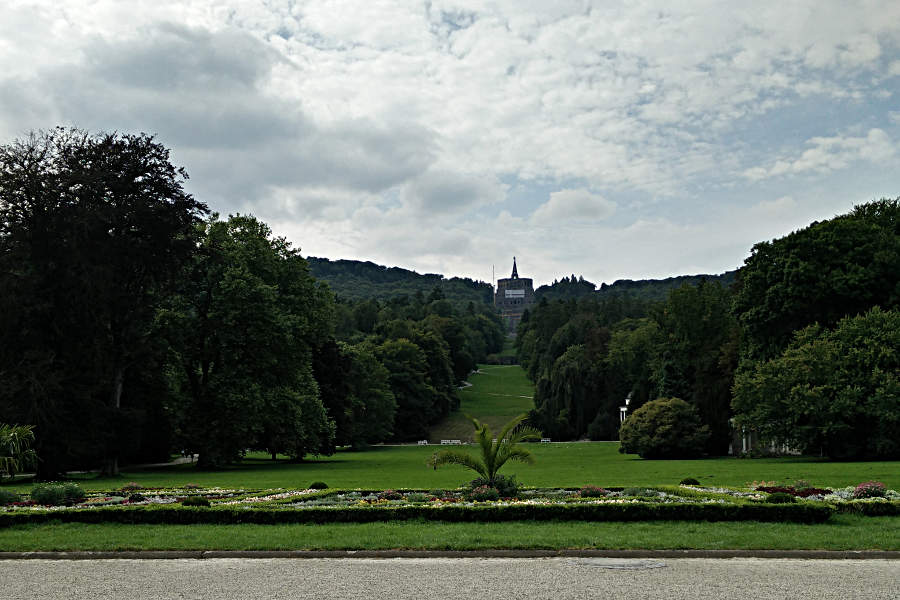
x: 494, y: 452
x: 16, y: 453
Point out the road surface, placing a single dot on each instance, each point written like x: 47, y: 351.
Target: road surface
x: 440, y: 578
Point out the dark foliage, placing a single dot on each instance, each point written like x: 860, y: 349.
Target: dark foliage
x: 664, y: 428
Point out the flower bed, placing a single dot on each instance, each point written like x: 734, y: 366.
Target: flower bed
x: 685, y: 502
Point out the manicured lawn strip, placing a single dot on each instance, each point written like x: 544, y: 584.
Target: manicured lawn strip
x: 842, y: 532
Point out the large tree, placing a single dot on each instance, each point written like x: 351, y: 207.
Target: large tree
x: 819, y: 274
x: 93, y: 229
x: 831, y: 391
x: 241, y: 331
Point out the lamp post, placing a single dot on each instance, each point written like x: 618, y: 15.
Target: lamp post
x: 623, y: 410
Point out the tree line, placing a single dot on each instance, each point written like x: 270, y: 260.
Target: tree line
x: 801, y: 349
x: 133, y: 322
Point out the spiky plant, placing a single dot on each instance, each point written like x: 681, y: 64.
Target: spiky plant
x: 494, y: 454
x: 16, y: 453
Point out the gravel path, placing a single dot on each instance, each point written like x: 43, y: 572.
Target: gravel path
x: 433, y: 578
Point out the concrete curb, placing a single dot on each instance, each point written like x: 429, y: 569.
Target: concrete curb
x: 300, y: 554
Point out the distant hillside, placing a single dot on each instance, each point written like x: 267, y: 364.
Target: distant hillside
x: 645, y: 289
x: 658, y: 289
x: 358, y: 280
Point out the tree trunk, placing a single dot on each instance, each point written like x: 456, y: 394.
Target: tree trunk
x: 110, y: 466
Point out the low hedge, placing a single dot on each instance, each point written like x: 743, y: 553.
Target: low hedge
x: 638, y: 511
x: 871, y: 509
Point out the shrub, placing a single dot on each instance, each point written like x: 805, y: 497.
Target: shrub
x: 390, y: 495
x: 869, y: 489
x: 72, y: 494
x: 664, y: 428
x: 780, y: 498
x: 483, y: 493
x: 591, y: 491
x: 507, y: 487
x: 639, y: 492
x: 8, y: 497
x: 437, y: 493
x: 318, y: 485
x: 195, y: 501
x: 136, y: 498
x: 55, y: 494
x: 418, y: 497
x: 689, y: 481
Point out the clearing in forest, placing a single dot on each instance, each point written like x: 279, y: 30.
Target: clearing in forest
x: 497, y: 393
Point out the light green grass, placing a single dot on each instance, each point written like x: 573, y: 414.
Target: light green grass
x: 843, y: 532
x: 498, y: 393
x: 563, y: 464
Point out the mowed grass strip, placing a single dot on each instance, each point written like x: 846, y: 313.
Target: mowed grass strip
x: 497, y: 394
x: 842, y: 532
x: 572, y: 464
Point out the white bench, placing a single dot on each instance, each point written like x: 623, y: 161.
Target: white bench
x: 451, y: 443
x: 423, y: 442
x: 545, y: 440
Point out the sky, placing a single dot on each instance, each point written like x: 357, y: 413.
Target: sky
x: 609, y: 140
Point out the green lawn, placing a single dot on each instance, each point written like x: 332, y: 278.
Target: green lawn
x: 843, y: 532
x: 498, y: 393
x: 562, y: 464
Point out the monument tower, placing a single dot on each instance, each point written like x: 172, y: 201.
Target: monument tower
x: 512, y: 297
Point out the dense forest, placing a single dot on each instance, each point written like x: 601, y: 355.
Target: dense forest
x: 643, y: 289
x: 358, y: 280
x: 134, y: 322
x: 803, y: 348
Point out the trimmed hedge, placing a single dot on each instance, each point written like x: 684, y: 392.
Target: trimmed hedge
x: 871, y: 509
x: 183, y: 515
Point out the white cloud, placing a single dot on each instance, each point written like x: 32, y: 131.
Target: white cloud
x: 573, y: 205
x: 827, y: 154
x: 394, y: 130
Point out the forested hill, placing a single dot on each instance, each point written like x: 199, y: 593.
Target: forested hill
x: 643, y: 289
x: 358, y: 280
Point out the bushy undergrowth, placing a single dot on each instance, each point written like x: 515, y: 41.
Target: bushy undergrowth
x: 8, y: 497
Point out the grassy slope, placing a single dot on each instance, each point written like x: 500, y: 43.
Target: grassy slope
x: 498, y: 393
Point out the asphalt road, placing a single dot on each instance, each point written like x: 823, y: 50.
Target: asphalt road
x: 465, y: 578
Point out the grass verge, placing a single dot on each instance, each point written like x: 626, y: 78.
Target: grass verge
x: 842, y: 532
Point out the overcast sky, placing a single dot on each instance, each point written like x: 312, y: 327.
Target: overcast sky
x: 646, y: 139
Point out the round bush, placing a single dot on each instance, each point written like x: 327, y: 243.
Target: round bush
x: 689, y: 481
x: 417, y: 497
x: 72, y: 494
x: 136, y: 497
x: 318, y: 485
x: 195, y: 501
x: 390, y: 495
x: 780, y: 498
x: 664, y: 428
